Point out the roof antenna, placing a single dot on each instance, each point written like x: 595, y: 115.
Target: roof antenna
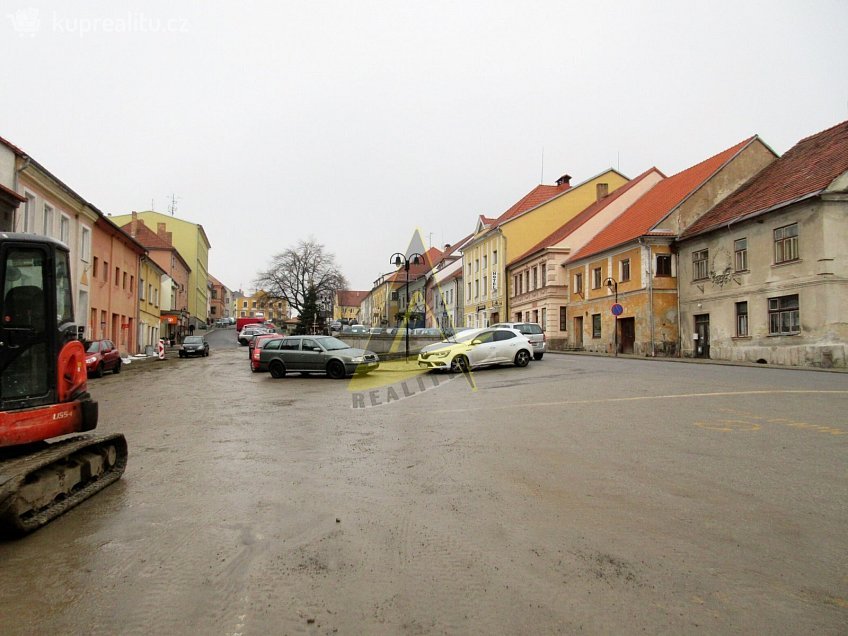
x: 172, y: 206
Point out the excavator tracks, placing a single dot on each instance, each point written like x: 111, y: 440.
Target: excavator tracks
x: 36, y: 486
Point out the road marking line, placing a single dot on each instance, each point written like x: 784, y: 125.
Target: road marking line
x: 507, y: 407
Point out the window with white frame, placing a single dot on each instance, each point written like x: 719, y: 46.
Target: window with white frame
x: 624, y: 270
x: 700, y: 264
x: 29, y: 214
x: 740, y: 255
x: 494, y: 257
x: 663, y: 265
x: 578, y: 283
x: 784, y: 316
x: 484, y: 261
x: 742, y: 319
x: 535, y: 278
x: 47, y: 221
x: 65, y: 229
x: 596, y: 278
x: 786, y: 243
x: 543, y: 273
x: 85, y: 244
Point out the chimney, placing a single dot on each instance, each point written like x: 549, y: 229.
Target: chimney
x: 602, y: 190
x: 564, y: 180
x: 134, y: 225
x: 162, y: 233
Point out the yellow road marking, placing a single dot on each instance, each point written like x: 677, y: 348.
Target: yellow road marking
x: 729, y: 425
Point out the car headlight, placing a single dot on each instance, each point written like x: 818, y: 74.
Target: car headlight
x: 358, y: 359
x: 440, y: 354
x: 91, y: 359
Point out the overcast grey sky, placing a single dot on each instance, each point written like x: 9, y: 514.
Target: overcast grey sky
x: 358, y: 122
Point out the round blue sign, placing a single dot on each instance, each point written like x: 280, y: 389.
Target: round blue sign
x: 617, y: 309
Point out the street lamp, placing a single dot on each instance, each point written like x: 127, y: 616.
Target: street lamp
x: 612, y: 285
x: 397, y: 260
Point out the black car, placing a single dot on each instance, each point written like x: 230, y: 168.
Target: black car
x: 194, y: 346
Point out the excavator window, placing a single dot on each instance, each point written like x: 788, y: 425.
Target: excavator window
x: 24, y: 333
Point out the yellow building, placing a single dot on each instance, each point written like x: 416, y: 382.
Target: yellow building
x: 261, y: 305
x: 149, y: 316
x: 523, y: 225
x: 347, y: 304
x: 191, y: 242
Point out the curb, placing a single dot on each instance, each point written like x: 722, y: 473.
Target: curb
x: 726, y: 363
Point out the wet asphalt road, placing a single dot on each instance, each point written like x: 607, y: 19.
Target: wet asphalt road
x: 581, y: 493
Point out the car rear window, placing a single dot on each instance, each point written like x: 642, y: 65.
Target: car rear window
x: 529, y: 329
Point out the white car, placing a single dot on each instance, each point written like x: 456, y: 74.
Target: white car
x: 534, y: 334
x: 477, y: 348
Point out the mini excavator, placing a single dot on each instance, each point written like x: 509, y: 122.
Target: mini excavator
x: 43, y: 392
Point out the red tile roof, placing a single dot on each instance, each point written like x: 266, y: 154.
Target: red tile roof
x: 640, y: 218
x: 146, y: 236
x: 805, y: 170
x: 350, y: 298
x: 563, y: 231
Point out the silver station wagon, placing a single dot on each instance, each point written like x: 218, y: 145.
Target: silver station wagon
x: 315, y: 354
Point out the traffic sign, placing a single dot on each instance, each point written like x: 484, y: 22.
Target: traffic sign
x: 617, y: 309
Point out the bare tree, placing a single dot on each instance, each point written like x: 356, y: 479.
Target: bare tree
x: 295, y: 270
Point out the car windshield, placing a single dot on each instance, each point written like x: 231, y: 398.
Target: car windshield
x: 332, y: 344
x: 193, y: 340
x: 464, y: 336
x: 93, y: 347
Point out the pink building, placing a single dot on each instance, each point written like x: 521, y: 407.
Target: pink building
x: 114, y: 280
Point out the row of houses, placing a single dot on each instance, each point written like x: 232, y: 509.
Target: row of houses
x: 741, y: 256
x: 137, y: 277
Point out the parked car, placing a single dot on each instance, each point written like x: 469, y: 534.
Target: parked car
x: 315, y: 354
x: 248, y: 332
x: 194, y: 346
x: 377, y: 331
x: 358, y: 330
x: 256, y: 347
x: 100, y: 356
x: 476, y: 348
x: 429, y: 331
x: 534, y: 334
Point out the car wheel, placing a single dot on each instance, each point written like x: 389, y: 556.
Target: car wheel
x: 117, y: 368
x: 459, y: 364
x: 538, y: 356
x: 242, y: 342
x: 336, y: 370
x: 182, y: 355
x: 277, y: 369
x: 98, y: 372
x: 522, y: 358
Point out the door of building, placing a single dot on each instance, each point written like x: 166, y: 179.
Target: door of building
x: 702, y: 331
x: 626, y: 334
x: 577, y: 336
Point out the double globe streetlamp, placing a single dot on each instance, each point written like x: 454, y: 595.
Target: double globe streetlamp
x: 397, y: 260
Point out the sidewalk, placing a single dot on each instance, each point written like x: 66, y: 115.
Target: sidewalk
x: 727, y: 363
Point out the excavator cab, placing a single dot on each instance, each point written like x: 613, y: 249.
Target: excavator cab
x: 27, y: 345
x: 43, y: 391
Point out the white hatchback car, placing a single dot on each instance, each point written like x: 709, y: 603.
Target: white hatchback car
x: 477, y: 348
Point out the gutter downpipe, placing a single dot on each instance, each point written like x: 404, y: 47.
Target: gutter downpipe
x: 679, y: 321
x: 650, y: 298
x: 15, y: 185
